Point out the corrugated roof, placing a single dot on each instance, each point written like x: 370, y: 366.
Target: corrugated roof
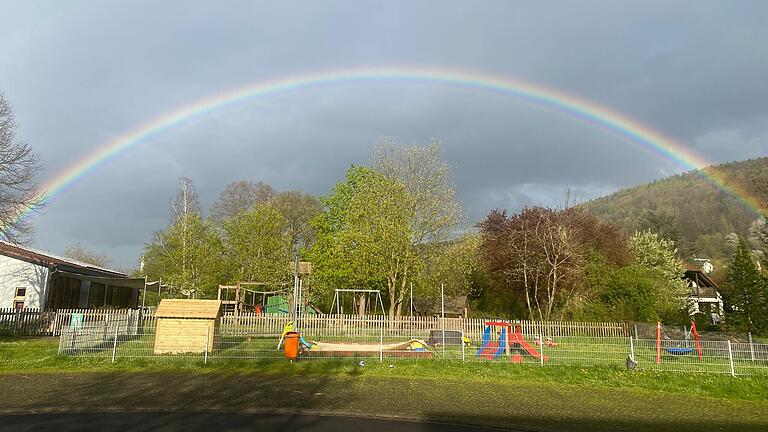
x: 178, y: 308
x: 48, y: 259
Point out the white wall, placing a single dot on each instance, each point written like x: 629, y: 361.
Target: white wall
x: 16, y: 273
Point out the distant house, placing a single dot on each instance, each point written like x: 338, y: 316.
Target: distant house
x: 34, y: 279
x: 455, y: 307
x: 704, y: 296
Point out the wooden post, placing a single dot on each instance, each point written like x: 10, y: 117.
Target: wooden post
x: 237, y: 300
x: 207, y: 341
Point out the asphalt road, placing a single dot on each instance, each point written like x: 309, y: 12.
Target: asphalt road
x: 211, y: 421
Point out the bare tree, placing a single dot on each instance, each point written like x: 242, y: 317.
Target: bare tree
x: 81, y: 253
x: 238, y: 197
x: 18, y: 191
x: 187, y: 201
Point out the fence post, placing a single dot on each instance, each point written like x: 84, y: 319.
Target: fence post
x: 207, y: 341
x: 381, y: 340
x: 730, y: 359
x: 631, y: 349
x: 541, y: 348
x: 114, y: 344
x: 462, y: 347
x: 751, y: 347
x: 16, y: 318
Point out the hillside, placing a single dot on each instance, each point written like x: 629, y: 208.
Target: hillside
x: 689, y: 209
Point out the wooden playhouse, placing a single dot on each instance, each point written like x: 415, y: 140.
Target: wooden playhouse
x: 186, y: 326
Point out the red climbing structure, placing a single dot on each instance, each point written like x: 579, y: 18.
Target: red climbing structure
x: 510, y: 339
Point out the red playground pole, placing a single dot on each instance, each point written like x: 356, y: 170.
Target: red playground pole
x: 658, y: 342
x: 696, y: 338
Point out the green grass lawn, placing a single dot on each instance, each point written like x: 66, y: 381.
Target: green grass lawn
x: 41, y: 355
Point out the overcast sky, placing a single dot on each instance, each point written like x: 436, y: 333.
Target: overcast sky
x: 81, y: 73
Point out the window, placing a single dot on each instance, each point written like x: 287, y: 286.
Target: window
x: 18, y: 300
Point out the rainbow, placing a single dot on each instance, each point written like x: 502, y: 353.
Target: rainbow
x: 569, y: 105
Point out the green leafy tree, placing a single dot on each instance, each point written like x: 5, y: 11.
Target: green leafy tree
x: 659, y: 256
x: 435, y: 212
x: 256, y: 247
x: 186, y: 256
x: 631, y: 292
x: 745, y: 293
x: 454, y: 264
x: 363, y: 238
x: 298, y: 209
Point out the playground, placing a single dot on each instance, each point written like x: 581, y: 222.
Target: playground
x: 374, y: 338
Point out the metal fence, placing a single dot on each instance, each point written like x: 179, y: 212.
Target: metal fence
x: 254, y: 338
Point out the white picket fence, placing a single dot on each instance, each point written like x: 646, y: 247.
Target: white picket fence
x: 365, y: 325
x: 36, y: 322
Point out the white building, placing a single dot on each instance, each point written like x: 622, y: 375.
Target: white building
x: 33, y: 279
x: 704, y: 296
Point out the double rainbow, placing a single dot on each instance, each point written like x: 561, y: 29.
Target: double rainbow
x: 583, y: 110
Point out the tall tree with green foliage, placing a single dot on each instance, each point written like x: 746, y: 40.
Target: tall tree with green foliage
x: 745, y: 293
x: 659, y: 256
x: 256, y: 247
x: 363, y: 238
x: 428, y: 180
x: 186, y: 256
x: 453, y: 263
x: 298, y: 209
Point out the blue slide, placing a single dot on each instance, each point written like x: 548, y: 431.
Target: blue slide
x: 502, y: 344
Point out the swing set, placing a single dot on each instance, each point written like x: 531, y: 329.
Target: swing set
x: 678, y: 350
x: 366, y: 294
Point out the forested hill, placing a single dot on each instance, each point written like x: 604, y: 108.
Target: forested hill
x: 689, y: 209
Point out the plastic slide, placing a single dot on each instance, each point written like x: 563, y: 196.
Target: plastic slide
x: 517, y: 337
x: 488, y: 347
x: 502, y: 344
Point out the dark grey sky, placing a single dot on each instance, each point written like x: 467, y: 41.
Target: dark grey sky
x: 80, y: 73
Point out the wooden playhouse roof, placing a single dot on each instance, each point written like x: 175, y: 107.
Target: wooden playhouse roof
x: 175, y: 308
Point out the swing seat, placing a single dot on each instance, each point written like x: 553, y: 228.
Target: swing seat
x: 679, y: 350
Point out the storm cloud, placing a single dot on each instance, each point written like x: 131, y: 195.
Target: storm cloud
x: 82, y: 73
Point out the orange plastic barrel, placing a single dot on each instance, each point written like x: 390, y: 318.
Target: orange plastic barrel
x: 291, y: 345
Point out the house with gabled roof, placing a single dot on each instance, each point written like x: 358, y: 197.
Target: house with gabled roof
x: 704, y: 296
x: 31, y: 278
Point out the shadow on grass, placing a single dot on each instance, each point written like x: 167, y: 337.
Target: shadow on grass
x: 341, y: 388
